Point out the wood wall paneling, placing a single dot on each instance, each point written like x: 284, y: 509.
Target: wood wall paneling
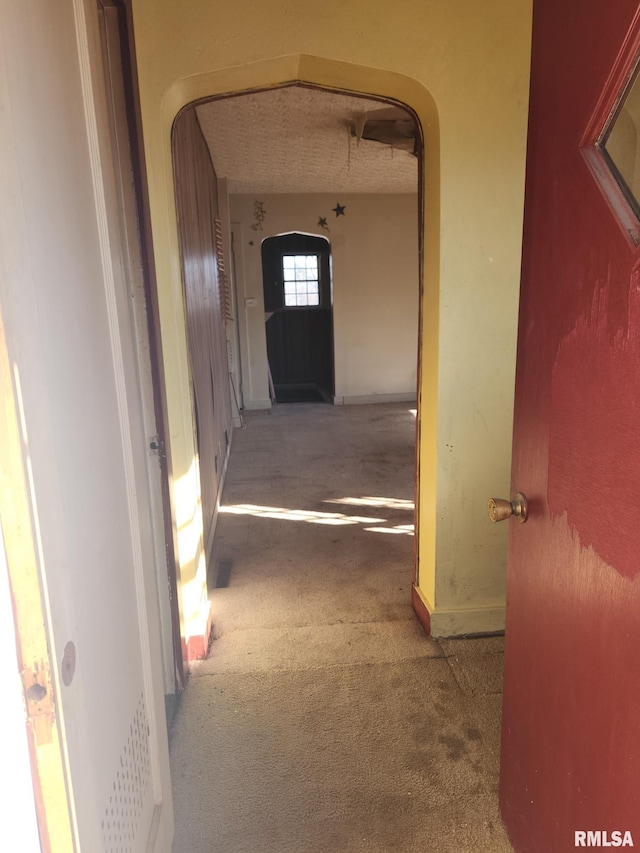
x: 205, y: 300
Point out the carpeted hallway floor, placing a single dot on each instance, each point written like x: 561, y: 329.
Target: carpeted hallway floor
x: 324, y: 720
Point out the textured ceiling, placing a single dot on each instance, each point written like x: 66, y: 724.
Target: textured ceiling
x: 297, y: 140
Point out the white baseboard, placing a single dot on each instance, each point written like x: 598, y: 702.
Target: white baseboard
x: 455, y: 623
x: 254, y: 405
x: 364, y: 399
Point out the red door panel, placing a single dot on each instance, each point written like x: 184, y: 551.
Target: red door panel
x: 571, y: 723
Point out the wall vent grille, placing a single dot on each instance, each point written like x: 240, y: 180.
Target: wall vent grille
x: 223, y: 278
x: 121, y: 818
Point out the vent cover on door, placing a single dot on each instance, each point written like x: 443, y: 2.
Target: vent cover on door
x: 122, y: 813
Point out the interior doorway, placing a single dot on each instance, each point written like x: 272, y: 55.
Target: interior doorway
x: 320, y: 193
x: 302, y: 161
x: 296, y: 278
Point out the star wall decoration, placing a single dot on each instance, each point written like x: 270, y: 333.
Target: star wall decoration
x: 322, y: 222
x: 259, y: 215
x: 339, y: 209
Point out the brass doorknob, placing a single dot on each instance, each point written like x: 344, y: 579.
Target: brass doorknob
x: 500, y: 509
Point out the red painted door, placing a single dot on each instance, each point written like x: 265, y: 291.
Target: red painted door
x: 571, y: 723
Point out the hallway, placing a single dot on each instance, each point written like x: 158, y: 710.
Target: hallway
x: 324, y: 719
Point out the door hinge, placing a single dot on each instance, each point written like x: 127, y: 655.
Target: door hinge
x: 38, y: 694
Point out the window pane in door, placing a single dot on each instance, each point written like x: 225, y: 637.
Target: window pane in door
x: 622, y: 140
x: 301, y: 280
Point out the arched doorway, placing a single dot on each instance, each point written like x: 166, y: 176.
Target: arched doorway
x: 325, y: 75
x: 273, y: 181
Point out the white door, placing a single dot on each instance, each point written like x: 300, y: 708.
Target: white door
x: 71, y: 340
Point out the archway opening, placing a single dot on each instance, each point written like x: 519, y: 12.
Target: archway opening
x: 395, y: 92
x: 296, y: 163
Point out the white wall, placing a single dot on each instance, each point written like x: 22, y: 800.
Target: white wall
x: 374, y: 248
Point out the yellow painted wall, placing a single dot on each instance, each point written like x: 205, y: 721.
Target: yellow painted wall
x: 463, y: 67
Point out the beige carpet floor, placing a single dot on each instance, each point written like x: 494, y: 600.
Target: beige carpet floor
x: 324, y: 719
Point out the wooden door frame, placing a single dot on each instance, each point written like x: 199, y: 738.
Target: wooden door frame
x: 23, y: 815
x: 124, y: 11
x: 19, y: 538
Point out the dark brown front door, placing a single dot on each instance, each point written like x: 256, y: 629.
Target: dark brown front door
x: 299, y: 316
